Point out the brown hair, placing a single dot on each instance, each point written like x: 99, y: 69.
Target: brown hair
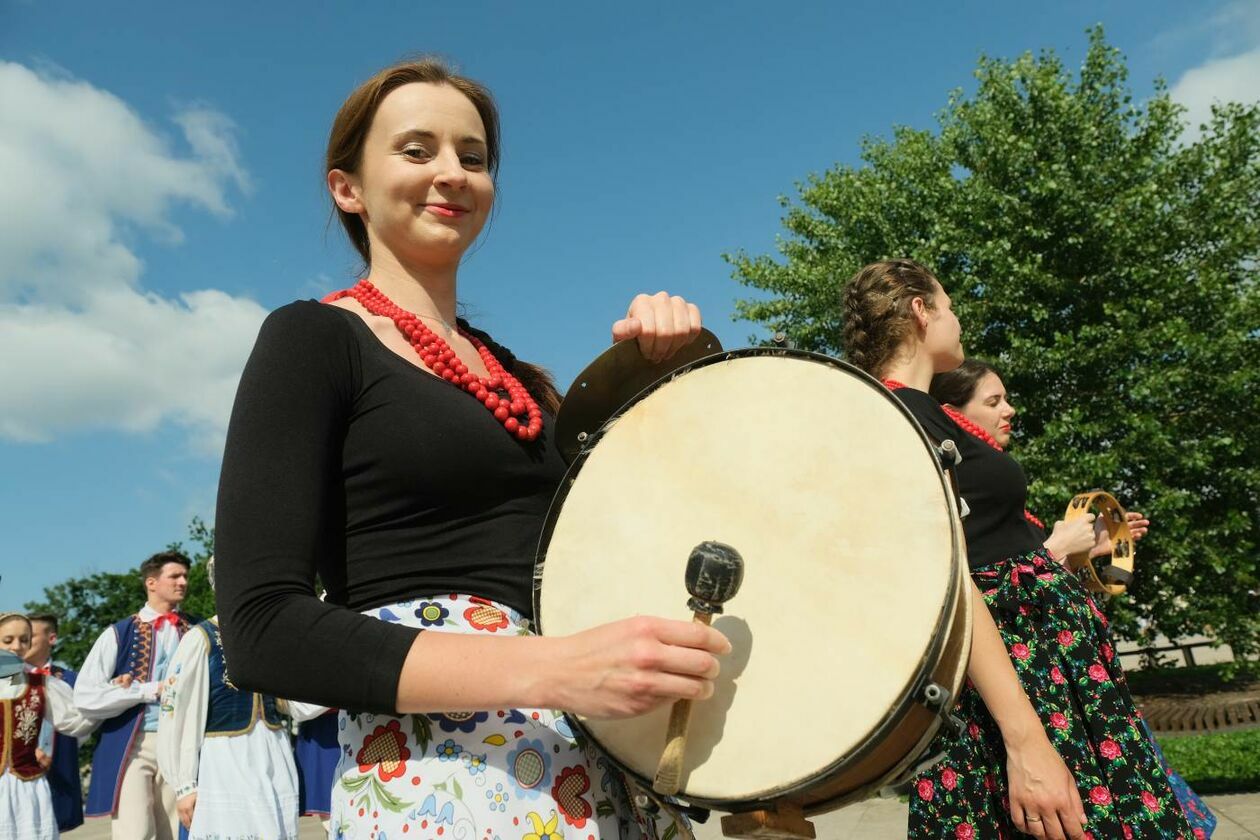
x: 345, y: 152
x: 153, y: 566
x: 958, y: 386
x: 44, y: 618
x: 877, y: 316
x: 6, y: 617
x: 350, y: 126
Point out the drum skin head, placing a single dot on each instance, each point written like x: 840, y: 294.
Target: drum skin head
x: 831, y: 493
x: 612, y: 380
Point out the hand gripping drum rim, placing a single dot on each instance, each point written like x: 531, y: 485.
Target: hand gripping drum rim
x: 895, y: 743
x: 1114, y: 577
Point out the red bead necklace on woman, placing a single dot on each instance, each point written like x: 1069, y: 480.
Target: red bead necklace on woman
x: 501, y: 393
x: 967, y: 425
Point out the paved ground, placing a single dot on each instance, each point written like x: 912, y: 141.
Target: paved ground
x: 878, y: 819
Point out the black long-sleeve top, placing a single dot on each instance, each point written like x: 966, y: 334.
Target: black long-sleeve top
x: 346, y: 460
x: 991, y: 482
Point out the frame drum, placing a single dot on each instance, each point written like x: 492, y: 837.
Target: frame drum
x: 851, y: 631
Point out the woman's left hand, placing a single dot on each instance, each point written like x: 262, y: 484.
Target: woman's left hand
x: 1138, y: 526
x: 662, y: 323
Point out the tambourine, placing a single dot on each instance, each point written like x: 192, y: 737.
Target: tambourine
x: 1114, y: 577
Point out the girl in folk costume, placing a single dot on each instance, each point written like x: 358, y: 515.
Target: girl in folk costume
x: 27, y: 699
x: 226, y: 752
x: 409, y: 460
x: 974, y: 396
x: 1052, y: 747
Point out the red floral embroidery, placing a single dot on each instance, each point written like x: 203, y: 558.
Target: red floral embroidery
x: 926, y: 789
x: 1056, y: 675
x: 1058, y: 721
x: 1100, y: 796
x: 1149, y: 800
x: 1019, y: 650
x: 964, y: 831
x: 567, y: 793
x: 386, y: 750
x: 1066, y: 638
x: 949, y: 778
x: 1128, y: 832
x: 485, y: 616
x: 1110, y: 749
x: 1098, y: 673
x: 1107, y: 652
x: 973, y: 731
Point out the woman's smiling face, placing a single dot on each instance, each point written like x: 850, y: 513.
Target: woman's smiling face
x: 423, y: 185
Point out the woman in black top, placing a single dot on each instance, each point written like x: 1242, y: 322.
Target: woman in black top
x: 1049, y: 722
x: 409, y: 461
x: 974, y: 395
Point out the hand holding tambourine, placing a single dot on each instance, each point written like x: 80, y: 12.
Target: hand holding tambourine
x: 1100, y: 575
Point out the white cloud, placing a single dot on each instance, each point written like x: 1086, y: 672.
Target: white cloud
x: 1232, y: 74
x: 82, y: 344
x: 1234, y: 79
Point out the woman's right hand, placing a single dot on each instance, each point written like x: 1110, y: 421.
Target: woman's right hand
x: 1072, y: 537
x: 1043, y: 795
x: 629, y: 667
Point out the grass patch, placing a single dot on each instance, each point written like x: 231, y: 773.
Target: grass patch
x: 1199, y: 679
x: 1218, y: 762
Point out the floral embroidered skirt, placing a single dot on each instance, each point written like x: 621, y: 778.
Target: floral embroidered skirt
x: 1060, y: 646
x: 505, y: 774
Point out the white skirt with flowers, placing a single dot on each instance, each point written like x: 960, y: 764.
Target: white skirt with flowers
x: 507, y: 774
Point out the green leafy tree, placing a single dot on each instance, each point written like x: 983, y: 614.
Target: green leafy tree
x: 85, y: 606
x: 1107, y: 262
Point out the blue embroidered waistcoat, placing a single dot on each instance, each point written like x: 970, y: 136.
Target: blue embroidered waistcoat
x: 230, y: 710
x: 118, y: 734
x: 63, y: 776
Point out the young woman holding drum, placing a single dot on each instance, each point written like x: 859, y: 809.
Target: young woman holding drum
x: 975, y: 397
x: 409, y: 460
x: 1051, y: 746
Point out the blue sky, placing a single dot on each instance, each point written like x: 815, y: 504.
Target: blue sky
x: 161, y: 165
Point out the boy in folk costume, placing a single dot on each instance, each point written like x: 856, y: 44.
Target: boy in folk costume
x: 120, y: 684
x: 58, y: 752
x: 226, y: 752
x: 27, y: 699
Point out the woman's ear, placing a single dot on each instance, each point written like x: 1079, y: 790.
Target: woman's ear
x: 919, y: 309
x: 344, y: 188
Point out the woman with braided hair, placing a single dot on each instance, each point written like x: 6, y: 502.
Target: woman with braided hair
x: 974, y: 396
x: 1051, y: 746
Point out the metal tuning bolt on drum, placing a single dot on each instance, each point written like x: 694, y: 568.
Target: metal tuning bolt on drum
x: 610, y: 382
x: 1111, y: 578
x: 949, y: 456
x: 841, y: 623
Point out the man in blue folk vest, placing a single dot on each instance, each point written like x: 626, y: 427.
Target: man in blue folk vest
x: 59, y: 752
x: 120, y: 685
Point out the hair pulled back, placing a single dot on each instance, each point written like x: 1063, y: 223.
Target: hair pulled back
x: 345, y: 152
x: 877, y: 314
x: 351, y: 125
x: 958, y: 386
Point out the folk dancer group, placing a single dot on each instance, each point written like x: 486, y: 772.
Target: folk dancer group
x: 405, y: 458
x: 174, y: 731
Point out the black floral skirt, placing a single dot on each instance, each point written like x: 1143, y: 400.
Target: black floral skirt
x: 1062, y: 652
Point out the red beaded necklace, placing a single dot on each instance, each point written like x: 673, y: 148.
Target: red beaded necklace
x: 967, y: 425
x: 502, y: 393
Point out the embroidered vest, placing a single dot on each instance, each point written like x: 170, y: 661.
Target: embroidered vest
x: 63, y: 776
x: 230, y: 710
x: 20, y: 733
x: 118, y: 734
